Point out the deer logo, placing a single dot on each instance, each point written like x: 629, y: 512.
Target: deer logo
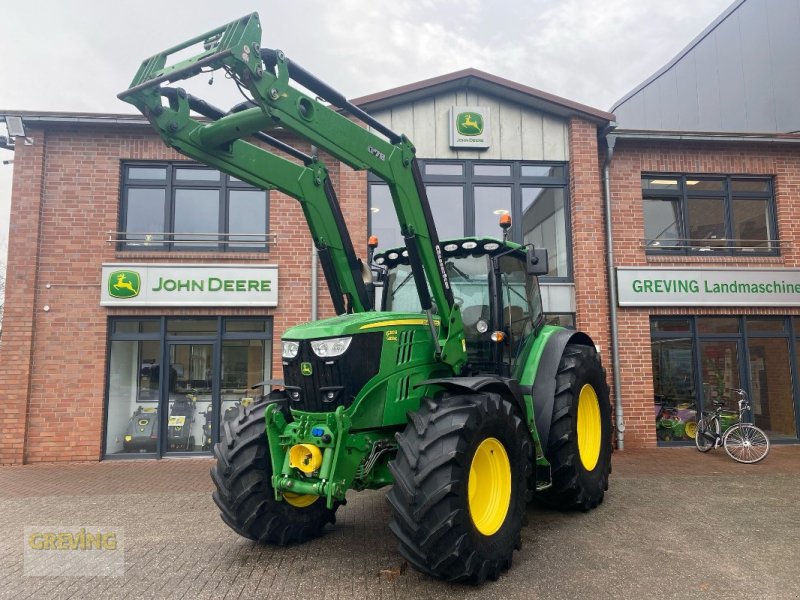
x: 124, y: 284
x: 469, y: 123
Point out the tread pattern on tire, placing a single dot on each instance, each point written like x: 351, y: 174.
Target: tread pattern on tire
x: 244, y: 494
x: 431, y: 518
x: 573, y: 487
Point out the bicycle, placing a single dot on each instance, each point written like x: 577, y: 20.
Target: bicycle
x: 743, y: 441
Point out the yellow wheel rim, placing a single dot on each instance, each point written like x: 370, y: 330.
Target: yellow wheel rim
x: 589, y: 427
x: 300, y: 500
x: 489, y: 486
x: 691, y: 429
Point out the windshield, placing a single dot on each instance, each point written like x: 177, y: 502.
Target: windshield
x: 469, y: 280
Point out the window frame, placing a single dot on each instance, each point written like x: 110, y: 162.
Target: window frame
x: 789, y: 332
x: 170, y: 184
x: 515, y: 181
x: 215, y: 336
x: 728, y: 196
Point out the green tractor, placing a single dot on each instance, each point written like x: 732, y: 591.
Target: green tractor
x: 450, y: 388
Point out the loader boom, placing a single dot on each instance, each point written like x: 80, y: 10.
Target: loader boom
x: 267, y: 75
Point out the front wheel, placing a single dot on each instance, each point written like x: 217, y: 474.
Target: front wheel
x: 460, y: 479
x: 707, y: 433
x: 746, y: 443
x: 245, y: 496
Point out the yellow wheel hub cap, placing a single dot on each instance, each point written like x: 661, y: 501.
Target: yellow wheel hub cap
x: 300, y: 500
x: 589, y: 427
x: 489, y: 486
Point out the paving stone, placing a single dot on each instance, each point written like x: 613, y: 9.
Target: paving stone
x: 675, y: 524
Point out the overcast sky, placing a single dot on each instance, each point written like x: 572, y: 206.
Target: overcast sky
x: 76, y: 55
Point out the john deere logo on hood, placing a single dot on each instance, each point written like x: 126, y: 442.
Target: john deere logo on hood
x: 469, y: 123
x: 305, y: 368
x: 124, y: 284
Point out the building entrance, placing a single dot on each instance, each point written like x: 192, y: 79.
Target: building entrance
x: 700, y: 359
x: 212, y: 365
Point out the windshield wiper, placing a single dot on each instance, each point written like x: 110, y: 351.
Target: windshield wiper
x: 459, y: 271
x: 402, y: 283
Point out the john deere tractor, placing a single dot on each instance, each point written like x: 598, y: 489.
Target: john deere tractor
x: 451, y: 389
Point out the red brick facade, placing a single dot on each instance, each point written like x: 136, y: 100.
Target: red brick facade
x: 65, y: 201
x: 631, y: 159
x: 66, y: 198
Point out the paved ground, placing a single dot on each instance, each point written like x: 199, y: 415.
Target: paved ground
x: 675, y: 524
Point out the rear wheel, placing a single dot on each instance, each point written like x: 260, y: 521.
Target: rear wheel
x: 245, y: 496
x: 707, y: 433
x: 746, y: 443
x: 459, y: 486
x: 579, y: 445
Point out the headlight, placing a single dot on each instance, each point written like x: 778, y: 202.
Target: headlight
x: 331, y: 347
x: 290, y: 348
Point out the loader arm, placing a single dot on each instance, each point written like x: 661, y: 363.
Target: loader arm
x: 267, y: 75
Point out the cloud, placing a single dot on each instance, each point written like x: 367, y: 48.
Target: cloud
x: 78, y: 56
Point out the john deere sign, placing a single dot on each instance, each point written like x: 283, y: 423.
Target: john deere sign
x: 469, y: 127
x: 124, y: 284
x: 708, y: 287
x: 189, y: 285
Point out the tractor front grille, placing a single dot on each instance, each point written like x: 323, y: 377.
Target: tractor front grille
x: 332, y: 382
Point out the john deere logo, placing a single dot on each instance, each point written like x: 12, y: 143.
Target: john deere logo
x: 469, y: 123
x: 305, y: 368
x: 124, y: 284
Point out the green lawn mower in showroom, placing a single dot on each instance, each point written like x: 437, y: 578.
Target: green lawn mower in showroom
x: 453, y: 391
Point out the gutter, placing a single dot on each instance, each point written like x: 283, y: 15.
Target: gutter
x: 706, y: 137
x: 612, y: 296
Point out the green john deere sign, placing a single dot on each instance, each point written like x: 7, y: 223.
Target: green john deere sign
x: 158, y: 284
x: 469, y: 127
x: 469, y: 123
x: 305, y: 368
x: 124, y: 284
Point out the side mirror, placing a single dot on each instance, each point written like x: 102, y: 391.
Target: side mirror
x: 537, y: 261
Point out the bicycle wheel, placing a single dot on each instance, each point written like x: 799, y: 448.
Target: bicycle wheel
x: 707, y: 433
x: 746, y: 443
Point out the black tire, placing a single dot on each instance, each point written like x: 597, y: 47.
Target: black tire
x: 746, y: 443
x: 244, y: 494
x: 432, y: 518
x: 190, y: 445
x: 708, y: 425
x: 576, y: 486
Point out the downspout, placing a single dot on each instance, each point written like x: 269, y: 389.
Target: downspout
x: 314, y: 261
x: 612, y: 295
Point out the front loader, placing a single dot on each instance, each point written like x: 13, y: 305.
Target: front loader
x: 453, y: 391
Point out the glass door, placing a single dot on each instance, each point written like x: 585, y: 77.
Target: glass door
x: 720, y: 370
x: 190, y: 394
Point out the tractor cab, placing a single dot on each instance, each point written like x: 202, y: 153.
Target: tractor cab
x: 496, y: 288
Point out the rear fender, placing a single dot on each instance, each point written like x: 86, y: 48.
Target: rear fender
x: 543, y: 389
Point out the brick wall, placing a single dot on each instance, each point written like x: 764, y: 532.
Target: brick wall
x: 65, y: 199
x: 631, y: 159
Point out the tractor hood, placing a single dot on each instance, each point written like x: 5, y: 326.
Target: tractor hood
x: 355, y: 323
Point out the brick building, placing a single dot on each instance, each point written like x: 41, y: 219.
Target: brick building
x: 704, y: 227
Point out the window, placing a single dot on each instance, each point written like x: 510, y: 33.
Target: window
x: 697, y: 360
x: 690, y: 214
x: 172, y: 382
x: 468, y: 197
x: 179, y: 206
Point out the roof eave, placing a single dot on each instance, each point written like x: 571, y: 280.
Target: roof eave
x: 486, y: 82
